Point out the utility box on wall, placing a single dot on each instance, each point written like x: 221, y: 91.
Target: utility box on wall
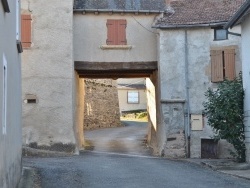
x: 196, y: 122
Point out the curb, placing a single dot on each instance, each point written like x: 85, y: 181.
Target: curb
x: 31, y: 152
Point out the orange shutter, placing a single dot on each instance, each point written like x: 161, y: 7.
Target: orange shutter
x: 111, y: 27
x: 26, y: 30
x: 216, y: 66
x: 122, y: 24
x: 229, y: 58
x: 116, y: 32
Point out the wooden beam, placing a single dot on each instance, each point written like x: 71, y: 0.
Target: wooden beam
x: 115, y: 66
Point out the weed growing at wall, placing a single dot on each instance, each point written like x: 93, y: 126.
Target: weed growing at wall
x: 224, y: 110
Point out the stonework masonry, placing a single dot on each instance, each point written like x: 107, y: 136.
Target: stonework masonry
x: 101, y: 104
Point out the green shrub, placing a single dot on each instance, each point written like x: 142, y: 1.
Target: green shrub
x: 224, y: 110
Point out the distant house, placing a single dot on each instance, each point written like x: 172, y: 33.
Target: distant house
x: 10, y: 94
x: 242, y: 17
x: 132, y: 94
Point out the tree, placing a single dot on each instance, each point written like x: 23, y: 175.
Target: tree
x: 224, y: 110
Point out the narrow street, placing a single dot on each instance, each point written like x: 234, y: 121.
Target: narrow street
x: 120, y: 159
x: 129, y: 139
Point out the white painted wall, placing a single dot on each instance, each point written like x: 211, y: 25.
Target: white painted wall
x: 246, y: 78
x: 48, y: 73
x: 172, y: 74
x: 10, y: 139
x: 90, y: 32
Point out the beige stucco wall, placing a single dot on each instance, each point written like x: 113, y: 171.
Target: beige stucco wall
x: 79, y: 110
x: 90, y: 32
x: 173, y: 83
x: 10, y: 141
x: 48, y: 73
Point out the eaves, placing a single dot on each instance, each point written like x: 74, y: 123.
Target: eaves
x: 117, y: 11
x: 184, y: 26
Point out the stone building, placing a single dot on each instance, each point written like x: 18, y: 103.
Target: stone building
x: 181, y: 56
x: 10, y: 94
x: 195, y: 53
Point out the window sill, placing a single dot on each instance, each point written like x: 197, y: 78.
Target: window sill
x: 116, y: 47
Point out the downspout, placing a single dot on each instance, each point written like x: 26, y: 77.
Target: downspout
x: 187, y: 106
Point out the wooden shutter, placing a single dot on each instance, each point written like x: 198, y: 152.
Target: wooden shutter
x: 111, y: 27
x: 116, y: 32
x: 121, y: 33
x: 216, y: 66
x: 229, y: 61
x: 26, y: 30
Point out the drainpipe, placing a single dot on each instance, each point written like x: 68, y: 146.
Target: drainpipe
x: 187, y: 106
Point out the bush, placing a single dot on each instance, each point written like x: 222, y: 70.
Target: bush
x: 224, y: 110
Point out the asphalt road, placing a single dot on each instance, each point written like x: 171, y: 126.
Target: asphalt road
x: 129, y: 139
x: 120, y: 159
x: 104, y: 170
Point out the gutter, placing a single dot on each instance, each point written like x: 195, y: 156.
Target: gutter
x: 187, y: 108
x: 118, y: 11
x: 189, y: 26
x: 231, y: 23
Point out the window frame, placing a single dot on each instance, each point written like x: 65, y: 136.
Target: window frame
x: 220, y: 29
x: 138, y: 97
x: 116, y: 32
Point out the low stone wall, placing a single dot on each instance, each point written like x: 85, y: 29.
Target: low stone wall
x: 101, y: 104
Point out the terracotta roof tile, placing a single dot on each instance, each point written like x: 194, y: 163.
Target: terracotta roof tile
x: 195, y: 12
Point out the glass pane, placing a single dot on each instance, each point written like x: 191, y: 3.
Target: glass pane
x: 220, y: 34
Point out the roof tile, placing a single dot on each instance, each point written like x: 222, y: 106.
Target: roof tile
x: 195, y: 12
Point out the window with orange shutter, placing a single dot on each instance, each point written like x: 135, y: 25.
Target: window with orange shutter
x: 116, y: 32
x: 222, y: 65
x: 26, y: 30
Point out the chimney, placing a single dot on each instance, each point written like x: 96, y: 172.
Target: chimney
x: 168, y: 7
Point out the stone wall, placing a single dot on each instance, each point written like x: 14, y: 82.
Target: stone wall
x: 101, y: 108
x: 185, y: 67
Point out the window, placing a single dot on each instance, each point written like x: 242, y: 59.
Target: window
x: 4, y: 106
x: 116, y: 32
x: 133, y: 97
x: 26, y: 30
x: 222, y: 65
x: 220, y: 34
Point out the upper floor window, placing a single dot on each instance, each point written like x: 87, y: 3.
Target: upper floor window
x: 26, y: 30
x: 220, y: 34
x: 222, y: 65
x: 116, y: 32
